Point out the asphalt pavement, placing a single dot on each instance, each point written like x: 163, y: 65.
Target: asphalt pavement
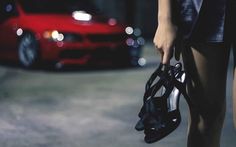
x: 85, y: 108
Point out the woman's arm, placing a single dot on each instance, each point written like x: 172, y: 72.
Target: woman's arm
x: 166, y: 31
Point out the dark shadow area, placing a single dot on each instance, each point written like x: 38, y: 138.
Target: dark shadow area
x: 87, y: 68
x: 50, y: 67
x: 10, y: 64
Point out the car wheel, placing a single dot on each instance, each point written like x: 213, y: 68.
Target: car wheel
x: 28, y: 51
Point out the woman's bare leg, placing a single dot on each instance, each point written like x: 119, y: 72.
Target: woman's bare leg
x: 234, y: 86
x: 234, y: 98
x: 206, y: 64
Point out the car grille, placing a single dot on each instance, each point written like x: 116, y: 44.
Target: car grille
x: 68, y: 37
x: 72, y: 54
x: 107, y: 37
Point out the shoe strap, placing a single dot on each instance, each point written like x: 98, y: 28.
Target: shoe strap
x: 154, y: 75
x: 161, y: 72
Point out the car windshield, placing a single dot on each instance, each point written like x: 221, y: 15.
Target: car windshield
x: 58, y: 6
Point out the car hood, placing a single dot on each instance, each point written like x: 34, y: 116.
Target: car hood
x: 67, y: 23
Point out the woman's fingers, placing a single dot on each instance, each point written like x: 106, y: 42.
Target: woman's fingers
x: 167, y: 56
x: 160, y: 52
x: 166, y: 53
x: 164, y: 41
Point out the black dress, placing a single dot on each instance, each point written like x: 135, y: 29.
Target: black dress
x: 202, y: 20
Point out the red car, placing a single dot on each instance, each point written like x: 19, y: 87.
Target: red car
x: 65, y: 32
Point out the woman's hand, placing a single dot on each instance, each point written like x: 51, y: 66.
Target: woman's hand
x: 164, y: 40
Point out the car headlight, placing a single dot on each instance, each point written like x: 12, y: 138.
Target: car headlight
x: 53, y: 35
x: 58, y: 36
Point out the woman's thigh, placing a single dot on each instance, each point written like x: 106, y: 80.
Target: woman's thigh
x: 206, y: 65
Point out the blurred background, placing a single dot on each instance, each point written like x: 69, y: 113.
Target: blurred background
x: 138, y: 13
x: 72, y: 74
x: 75, y: 32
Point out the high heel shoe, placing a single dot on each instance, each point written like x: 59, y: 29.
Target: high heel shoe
x: 150, y: 85
x: 159, y: 115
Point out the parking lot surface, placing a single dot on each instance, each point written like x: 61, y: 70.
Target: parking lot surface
x: 84, y: 108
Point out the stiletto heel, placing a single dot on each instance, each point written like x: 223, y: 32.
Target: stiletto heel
x: 159, y: 115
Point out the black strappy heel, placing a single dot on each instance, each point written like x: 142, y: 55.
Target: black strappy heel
x: 150, y: 85
x: 159, y: 115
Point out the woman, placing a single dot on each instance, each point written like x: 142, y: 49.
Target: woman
x: 232, y: 23
x: 200, y: 24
